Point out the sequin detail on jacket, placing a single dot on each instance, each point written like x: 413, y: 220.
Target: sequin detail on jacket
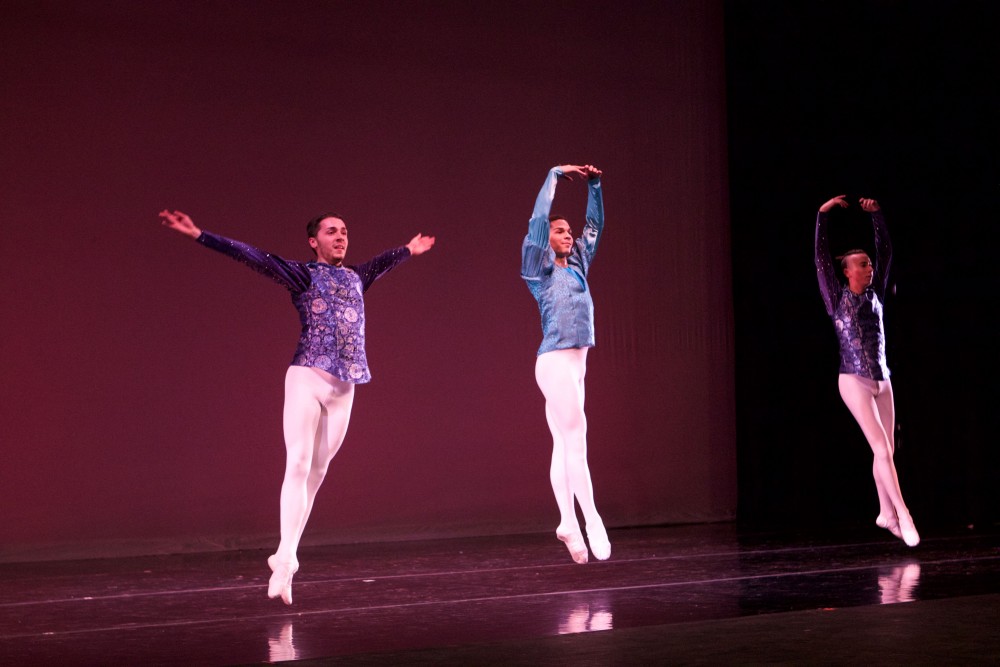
x: 857, y: 318
x: 562, y: 294
x: 329, y: 300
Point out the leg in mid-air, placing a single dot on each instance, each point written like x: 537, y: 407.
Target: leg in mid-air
x: 870, y: 402
x: 560, y: 376
x: 316, y: 415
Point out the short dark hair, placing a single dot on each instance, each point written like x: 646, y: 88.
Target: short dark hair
x: 556, y: 216
x: 313, y: 225
x: 852, y: 251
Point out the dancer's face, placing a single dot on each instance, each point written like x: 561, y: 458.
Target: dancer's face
x: 859, y: 271
x: 560, y: 238
x: 330, y: 242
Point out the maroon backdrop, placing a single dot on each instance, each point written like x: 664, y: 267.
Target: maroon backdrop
x: 143, y: 374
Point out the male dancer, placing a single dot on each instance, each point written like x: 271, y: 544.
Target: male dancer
x: 329, y: 361
x: 555, y: 268
x: 856, y: 309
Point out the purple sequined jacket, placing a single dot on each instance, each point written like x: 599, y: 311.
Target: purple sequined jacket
x: 856, y: 317
x: 329, y: 300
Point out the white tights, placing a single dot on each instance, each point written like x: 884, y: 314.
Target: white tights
x: 317, y: 411
x: 560, y: 375
x: 870, y: 402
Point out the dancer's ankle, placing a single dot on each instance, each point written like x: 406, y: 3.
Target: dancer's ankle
x: 568, y: 528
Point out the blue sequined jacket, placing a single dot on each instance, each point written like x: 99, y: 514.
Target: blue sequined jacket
x: 856, y: 317
x: 329, y: 300
x: 563, y: 297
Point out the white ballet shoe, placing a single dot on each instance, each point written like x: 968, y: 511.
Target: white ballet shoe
x: 280, y: 583
x: 890, y: 524
x: 575, y: 544
x: 599, y: 543
x: 909, y: 530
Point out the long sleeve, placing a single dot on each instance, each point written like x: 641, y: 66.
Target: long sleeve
x: 536, y: 250
x: 382, y: 263
x: 883, y: 252
x: 586, y: 245
x: 294, y: 276
x: 829, y: 285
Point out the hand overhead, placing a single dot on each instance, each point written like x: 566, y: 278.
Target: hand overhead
x: 868, y: 205
x: 839, y: 200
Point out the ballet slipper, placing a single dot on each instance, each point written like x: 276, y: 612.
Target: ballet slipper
x: 575, y: 544
x: 910, y: 535
x: 599, y: 543
x: 280, y: 583
x: 891, y: 525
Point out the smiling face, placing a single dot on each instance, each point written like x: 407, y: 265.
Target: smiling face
x: 560, y: 238
x: 330, y: 241
x: 859, y: 271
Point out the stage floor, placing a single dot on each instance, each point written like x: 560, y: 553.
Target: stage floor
x: 703, y: 594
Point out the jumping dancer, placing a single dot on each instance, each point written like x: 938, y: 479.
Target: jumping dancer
x: 329, y: 360
x: 856, y: 309
x: 555, y: 268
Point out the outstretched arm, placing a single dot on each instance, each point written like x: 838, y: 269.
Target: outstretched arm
x: 381, y: 264
x: 291, y: 275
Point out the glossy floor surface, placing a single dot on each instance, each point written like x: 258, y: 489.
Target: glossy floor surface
x: 706, y: 594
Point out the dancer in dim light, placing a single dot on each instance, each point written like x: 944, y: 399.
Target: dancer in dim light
x: 555, y: 267
x: 329, y: 360
x: 855, y: 304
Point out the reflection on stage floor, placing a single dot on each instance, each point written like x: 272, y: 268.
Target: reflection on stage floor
x: 509, y: 599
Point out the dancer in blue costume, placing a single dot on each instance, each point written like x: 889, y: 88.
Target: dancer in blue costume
x: 329, y: 360
x: 555, y: 268
x: 856, y: 310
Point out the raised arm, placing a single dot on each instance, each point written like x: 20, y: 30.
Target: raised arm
x: 291, y: 275
x: 536, y: 247
x: 883, y: 244
x: 587, y: 243
x: 826, y: 272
